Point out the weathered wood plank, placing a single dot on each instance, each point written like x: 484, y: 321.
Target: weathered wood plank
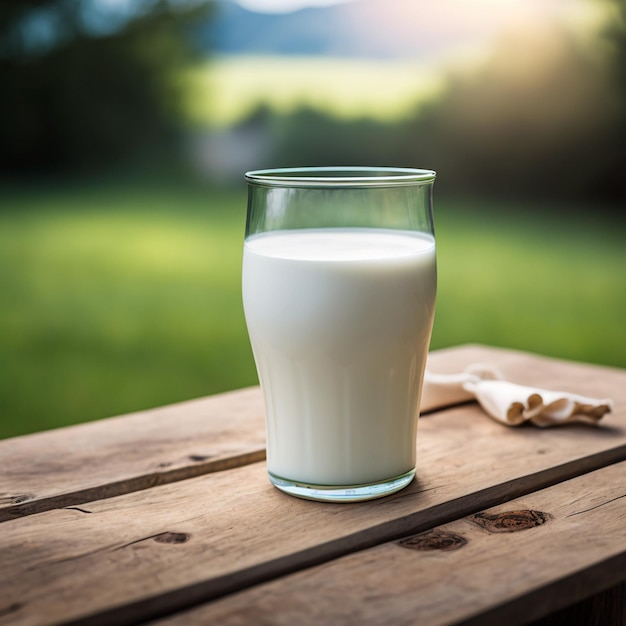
x: 109, y: 457
x: 509, y: 565
x: 70, y: 466
x: 144, y: 554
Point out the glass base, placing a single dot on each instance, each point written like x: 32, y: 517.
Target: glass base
x: 343, y: 493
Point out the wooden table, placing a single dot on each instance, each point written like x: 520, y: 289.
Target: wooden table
x: 166, y: 517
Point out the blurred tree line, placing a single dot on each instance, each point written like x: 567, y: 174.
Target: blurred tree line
x: 544, y: 117
x: 84, y: 86
x: 85, y: 83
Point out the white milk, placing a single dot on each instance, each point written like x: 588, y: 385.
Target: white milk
x: 340, y: 322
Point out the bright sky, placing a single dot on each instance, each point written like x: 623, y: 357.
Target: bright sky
x: 285, y: 6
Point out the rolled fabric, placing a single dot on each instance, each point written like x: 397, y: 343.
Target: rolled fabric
x: 507, y: 402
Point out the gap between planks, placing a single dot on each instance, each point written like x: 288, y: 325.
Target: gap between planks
x: 199, y: 468
x: 129, y: 485
x: 479, y: 570
x: 144, y: 481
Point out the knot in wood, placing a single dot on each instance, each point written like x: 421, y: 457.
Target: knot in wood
x: 170, y: 537
x: 12, y: 608
x: 510, y: 521
x: 198, y: 458
x: 434, y: 540
x: 17, y: 499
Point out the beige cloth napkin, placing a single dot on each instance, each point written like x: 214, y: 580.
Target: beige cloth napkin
x: 510, y: 403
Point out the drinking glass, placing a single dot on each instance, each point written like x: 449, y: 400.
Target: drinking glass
x: 339, y: 282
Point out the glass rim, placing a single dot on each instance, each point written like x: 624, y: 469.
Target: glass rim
x: 339, y: 176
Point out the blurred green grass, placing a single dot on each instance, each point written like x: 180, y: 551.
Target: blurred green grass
x: 124, y: 296
x: 118, y: 299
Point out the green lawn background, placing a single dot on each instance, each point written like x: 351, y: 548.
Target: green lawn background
x: 120, y: 297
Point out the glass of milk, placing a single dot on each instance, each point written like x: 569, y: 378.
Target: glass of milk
x: 339, y: 282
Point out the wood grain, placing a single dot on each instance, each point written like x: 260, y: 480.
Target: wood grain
x: 575, y: 547
x: 137, y: 556
x: 71, y: 466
